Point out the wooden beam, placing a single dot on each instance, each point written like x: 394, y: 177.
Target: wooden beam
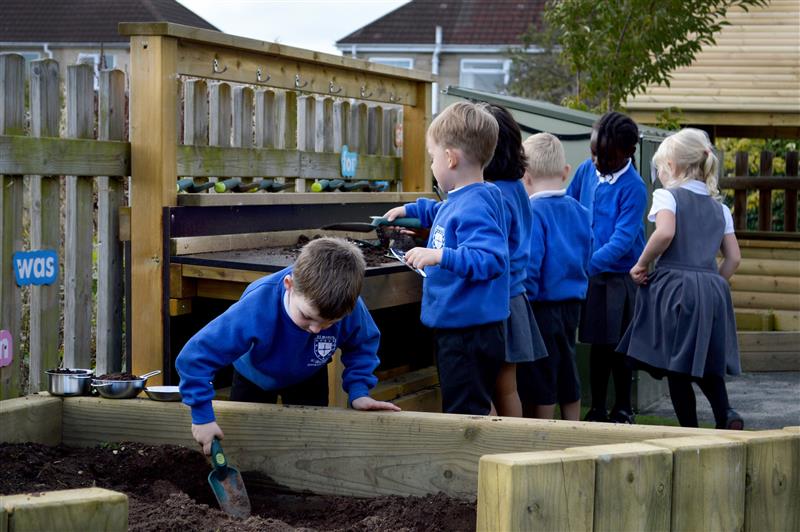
x: 417, y: 175
x: 32, y: 418
x: 767, y: 283
x: 770, y: 244
x: 542, y: 491
x: 180, y: 307
x: 755, y: 320
x: 786, y: 320
x: 769, y: 267
x: 770, y: 351
x: 346, y: 451
x: 427, y: 400
x: 632, y: 487
x: 778, y: 301
x: 405, y: 384
x: 76, y: 509
x: 180, y: 286
x: 297, y: 198
x: 215, y: 289
x: 708, y: 482
x: 153, y: 111
x: 55, y: 156
x: 209, y: 244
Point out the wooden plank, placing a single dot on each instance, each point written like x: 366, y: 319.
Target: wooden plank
x: 207, y: 244
x: 53, y: 156
x: 220, y: 115
x: 12, y: 113
x: 769, y: 267
x: 416, y: 169
x: 110, y: 197
x: 311, y: 198
x: 195, y: 114
x: 221, y: 274
x: 765, y: 195
x: 375, y: 130
x: 772, y: 361
x: 790, y: 197
x: 153, y: 132
x: 336, y: 395
x: 215, y: 289
x: 242, y: 117
x: 773, y: 479
x: 766, y: 342
x: 33, y: 418
x: 633, y: 486
x: 427, y: 400
x: 770, y: 244
x: 180, y: 307
x: 541, y: 491
x: 339, y: 451
x: 786, y: 320
x: 765, y: 183
x: 755, y: 320
x: 739, y: 195
x: 708, y: 482
x: 770, y: 253
x: 45, y: 95
x: 763, y: 283
x: 266, y: 119
x: 75, y: 509
x: 124, y: 224
x: 202, y: 161
x: 180, y: 286
x: 411, y: 382
x: 778, y: 301
x: 306, y: 135
x: 385, y: 291
x: 79, y: 228
x: 358, y: 130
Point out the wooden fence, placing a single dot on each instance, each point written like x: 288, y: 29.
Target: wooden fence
x: 88, y: 160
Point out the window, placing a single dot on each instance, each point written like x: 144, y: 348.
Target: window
x: 399, y: 62
x: 484, y: 74
x: 94, y: 61
x: 29, y: 56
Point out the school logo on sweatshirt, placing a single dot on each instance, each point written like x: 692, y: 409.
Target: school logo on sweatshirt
x: 324, y: 347
x: 438, y: 237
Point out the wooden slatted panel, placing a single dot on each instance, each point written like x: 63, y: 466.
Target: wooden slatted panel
x: 79, y: 226
x: 12, y: 113
x: 45, y: 223
x: 790, y: 201
x: 195, y: 113
x: 110, y: 197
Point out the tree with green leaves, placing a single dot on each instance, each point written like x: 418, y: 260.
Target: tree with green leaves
x: 616, y: 48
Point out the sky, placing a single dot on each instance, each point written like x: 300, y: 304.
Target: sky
x: 311, y: 24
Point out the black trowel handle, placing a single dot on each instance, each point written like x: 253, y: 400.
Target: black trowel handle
x: 218, y: 458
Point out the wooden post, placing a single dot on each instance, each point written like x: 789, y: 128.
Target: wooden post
x: 540, y: 491
x: 110, y: 126
x: 12, y: 122
x: 416, y: 164
x: 266, y: 119
x: 790, y: 196
x: 740, y: 196
x: 45, y: 226
x: 31, y: 419
x: 633, y: 486
x: 708, y: 482
x: 154, y: 172
x: 79, y: 229
x: 75, y: 509
x: 765, y: 195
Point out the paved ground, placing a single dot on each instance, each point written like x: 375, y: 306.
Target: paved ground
x: 765, y: 400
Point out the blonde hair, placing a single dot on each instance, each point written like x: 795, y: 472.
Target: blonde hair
x: 545, y: 155
x: 468, y: 127
x: 329, y: 272
x: 693, y: 158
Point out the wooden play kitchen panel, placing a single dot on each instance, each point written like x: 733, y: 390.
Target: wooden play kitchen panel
x: 558, y: 475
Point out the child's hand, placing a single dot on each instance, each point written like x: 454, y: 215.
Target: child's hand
x: 204, y: 434
x: 639, y: 274
x: 368, y: 403
x: 397, y: 212
x: 421, y: 257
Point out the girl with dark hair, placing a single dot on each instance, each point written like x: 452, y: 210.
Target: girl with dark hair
x: 610, y: 187
x: 524, y: 343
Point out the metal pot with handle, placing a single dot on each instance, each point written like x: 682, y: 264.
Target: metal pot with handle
x: 118, y: 389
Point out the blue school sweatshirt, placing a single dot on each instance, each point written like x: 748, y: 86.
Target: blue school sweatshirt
x: 471, y: 285
x: 257, y: 335
x: 518, y: 223
x: 561, y: 245
x: 617, y: 217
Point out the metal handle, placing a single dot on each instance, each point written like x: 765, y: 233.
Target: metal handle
x: 259, y: 78
x: 332, y: 88
x: 393, y: 98
x: 216, y: 69
x: 297, y: 83
x: 364, y: 92
x: 149, y: 374
x: 100, y: 384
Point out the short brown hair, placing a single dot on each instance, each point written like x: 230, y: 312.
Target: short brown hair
x: 545, y: 155
x: 329, y: 272
x: 468, y: 127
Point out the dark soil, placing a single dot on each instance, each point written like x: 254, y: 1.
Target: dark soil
x: 374, y: 250
x: 118, y: 377
x: 67, y: 371
x: 168, y: 490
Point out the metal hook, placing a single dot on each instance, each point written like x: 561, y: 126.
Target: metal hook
x: 259, y: 78
x: 393, y: 98
x: 216, y: 68
x: 332, y: 88
x: 364, y: 92
x: 297, y: 83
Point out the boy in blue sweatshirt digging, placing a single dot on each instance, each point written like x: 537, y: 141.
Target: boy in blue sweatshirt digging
x: 280, y: 336
x: 465, y: 296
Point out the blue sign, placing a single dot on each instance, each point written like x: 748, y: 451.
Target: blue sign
x: 349, y: 162
x: 35, y: 267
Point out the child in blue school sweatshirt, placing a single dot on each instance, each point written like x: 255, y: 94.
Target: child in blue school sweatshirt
x: 465, y: 296
x: 561, y: 245
x: 610, y: 187
x: 281, y: 335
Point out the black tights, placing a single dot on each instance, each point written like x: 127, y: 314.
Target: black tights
x: 604, y: 361
x: 683, y: 400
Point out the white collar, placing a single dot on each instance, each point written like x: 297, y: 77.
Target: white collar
x: 548, y: 194
x: 698, y: 187
x: 612, y: 178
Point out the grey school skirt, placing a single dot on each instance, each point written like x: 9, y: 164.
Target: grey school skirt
x: 608, y: 309
x: 524, y: 342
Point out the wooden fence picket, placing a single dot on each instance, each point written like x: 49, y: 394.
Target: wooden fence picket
x: 790, y: 203
x: 765, y: 196
x: 306, y: 134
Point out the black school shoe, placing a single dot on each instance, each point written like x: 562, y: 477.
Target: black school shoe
x: 621, y: 416
x: 733, y: 421
x: 597, y: 415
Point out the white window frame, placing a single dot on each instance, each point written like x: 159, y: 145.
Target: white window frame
x: 383, y: 61
x: 505, y: 70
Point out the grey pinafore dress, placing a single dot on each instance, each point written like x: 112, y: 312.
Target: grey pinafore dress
x: 683, y: 321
